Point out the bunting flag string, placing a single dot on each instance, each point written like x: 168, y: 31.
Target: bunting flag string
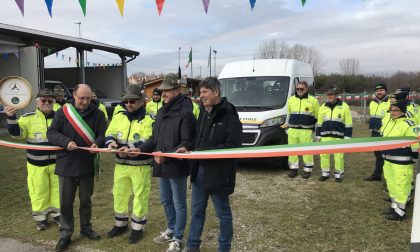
x: 252, y: 3
x: 120, y: 4
x: 49, y: 4
x: 83, y: 5
x: 206, y: 5
x: 354, y: 145
x: 159, y: 4
x: 21, y: 5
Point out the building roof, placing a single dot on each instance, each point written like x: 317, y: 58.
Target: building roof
x: 31, y: 36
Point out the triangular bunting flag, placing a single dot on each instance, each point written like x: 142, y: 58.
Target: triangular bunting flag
x: 49, y: 51
x: 16, y: 55
x: 62, y: 57
x: 303, y: 2
x: 5, y: 56
x: 159, y: 4
x: 252, y: 2
x: 206, y: 5
x: 83, y: 5
x: 49, y: 6
x: 56, y: 55
x: 21, y: 5
x: 69, y: 59
x: 120, y: 4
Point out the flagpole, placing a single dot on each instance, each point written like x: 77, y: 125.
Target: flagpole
x: 209, y: 60
x: 191, y: 65
x: 179, y: 62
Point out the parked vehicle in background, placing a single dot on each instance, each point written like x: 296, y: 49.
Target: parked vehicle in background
x: 50, y: 84
x: 259, y: 89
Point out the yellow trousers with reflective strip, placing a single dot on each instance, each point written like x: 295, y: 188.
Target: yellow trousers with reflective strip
x: 296, y: 136
x: 43, y: 191
x: 338, y: 159
x: 398, y: 180
x: 132, y: 179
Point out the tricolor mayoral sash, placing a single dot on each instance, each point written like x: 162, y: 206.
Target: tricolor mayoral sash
x: 83, y: 129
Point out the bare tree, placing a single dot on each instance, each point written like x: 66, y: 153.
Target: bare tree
x: 272, y: 49
x: 349, y: 66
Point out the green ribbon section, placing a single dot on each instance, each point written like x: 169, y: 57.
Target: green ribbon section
x: 315, y: 144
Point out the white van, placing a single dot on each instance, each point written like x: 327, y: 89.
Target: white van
x: 259, y: 89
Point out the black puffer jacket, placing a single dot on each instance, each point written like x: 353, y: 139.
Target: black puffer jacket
x: 219, y: 129
x: 174, y: 128
x: 76, y: 163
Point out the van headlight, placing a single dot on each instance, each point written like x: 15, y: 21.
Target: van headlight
x: 276, y: 121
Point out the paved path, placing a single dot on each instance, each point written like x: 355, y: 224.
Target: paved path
x: 9, y: 245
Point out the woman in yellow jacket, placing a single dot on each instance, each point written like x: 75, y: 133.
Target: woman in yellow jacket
x: 398, y: 166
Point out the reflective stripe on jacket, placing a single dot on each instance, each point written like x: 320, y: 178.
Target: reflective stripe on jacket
x: 334, y: 120
x: 131, y: 133
x: 400, y: 127
x: 303, y: 112
x: 378, y: 109
x: 33, y: 127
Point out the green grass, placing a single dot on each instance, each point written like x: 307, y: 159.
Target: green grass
x: 271, y: 211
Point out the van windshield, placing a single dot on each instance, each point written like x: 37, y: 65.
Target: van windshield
x: 258, y: 92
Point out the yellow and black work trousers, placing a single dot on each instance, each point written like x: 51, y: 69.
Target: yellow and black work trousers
x: 43, y: 191
x: 296, y: 136
x: 399, y: 183
x: 338, y: 161
x: 131, y: 179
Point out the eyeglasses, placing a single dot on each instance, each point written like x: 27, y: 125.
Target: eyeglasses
x: 394, y: 110
x: 47, y: 101
x: 300, y: 89
x: 130, y: 101
x: 83, y: 98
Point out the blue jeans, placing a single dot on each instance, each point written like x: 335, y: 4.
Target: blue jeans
x: 221, y: 204
x: 173, y: 197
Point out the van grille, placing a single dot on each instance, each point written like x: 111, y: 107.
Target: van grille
x: 249, y: 137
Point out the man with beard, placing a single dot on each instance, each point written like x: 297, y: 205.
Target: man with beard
x: 127, y: 130
x: 378, y: 109
x: 173, y: 131
x: 303, y: 113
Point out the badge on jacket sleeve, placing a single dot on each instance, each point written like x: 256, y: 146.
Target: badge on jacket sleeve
x: 15, y: 92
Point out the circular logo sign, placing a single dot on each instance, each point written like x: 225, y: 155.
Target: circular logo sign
x: 15, y: 92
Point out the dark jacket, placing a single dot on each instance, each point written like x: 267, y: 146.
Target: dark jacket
x: 76, y: 163
x: 219, y: 129
x: 174, y: 128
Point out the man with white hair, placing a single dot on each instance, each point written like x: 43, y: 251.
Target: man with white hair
x: 42, y: 182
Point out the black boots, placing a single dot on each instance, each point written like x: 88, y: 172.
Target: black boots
x: 293, y: 173
x: 116, y: 231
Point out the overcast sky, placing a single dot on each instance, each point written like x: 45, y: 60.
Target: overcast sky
x: 383, y: 34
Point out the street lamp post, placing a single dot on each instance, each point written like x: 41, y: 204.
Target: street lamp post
x: 215, y: 52
x: 79, y: 23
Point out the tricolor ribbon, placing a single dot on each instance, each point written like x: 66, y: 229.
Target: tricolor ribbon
x: 330, y: 147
